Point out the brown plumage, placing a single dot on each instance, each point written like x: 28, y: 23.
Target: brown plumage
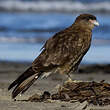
x: 62, y: 53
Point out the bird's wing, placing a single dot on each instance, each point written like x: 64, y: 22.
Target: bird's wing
x: 59, y: 49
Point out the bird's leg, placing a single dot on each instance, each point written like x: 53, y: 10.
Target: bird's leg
x: 69, y: 78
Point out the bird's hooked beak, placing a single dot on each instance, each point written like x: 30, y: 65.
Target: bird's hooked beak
x: 94, y: 22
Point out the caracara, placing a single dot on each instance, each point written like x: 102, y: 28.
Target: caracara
x: 61, y: 53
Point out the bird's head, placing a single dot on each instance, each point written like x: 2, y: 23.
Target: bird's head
x: 87, y: 20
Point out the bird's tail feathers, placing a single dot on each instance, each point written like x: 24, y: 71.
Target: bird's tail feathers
x: 24, y: 81
x: 22, y: 87
x: 29, y: 72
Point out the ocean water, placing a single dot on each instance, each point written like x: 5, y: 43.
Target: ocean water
x: 25, y: 26
x: 68, y: 6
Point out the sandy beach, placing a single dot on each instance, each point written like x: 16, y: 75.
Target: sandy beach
x: 26, y: 25
x: 9, y: 71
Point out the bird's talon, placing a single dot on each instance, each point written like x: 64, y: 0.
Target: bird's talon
x: 69, y: 80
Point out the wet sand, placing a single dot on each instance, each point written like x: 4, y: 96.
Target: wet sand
x: 9, y: 71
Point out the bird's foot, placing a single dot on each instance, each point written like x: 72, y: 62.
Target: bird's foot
x: 69, y: 80
x: 50, y: 101
x: 72, y: 81
x: 75, y: 81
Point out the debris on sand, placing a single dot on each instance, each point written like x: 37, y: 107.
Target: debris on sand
x: 96, y: 93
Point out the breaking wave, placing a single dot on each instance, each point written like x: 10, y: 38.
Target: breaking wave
x: 55, y: 6
x: 22, y: 39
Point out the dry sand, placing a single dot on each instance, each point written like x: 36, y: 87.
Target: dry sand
x: 9, y: 71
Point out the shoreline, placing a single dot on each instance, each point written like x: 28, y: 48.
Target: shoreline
x: 83, y: 67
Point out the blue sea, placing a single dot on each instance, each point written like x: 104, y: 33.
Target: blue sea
x: 25, y: 25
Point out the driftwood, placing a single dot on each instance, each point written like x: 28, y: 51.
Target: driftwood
x: 97, y: 93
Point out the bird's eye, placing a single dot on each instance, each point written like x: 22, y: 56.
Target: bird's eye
x: 88, y: 18
x: 92, y: 18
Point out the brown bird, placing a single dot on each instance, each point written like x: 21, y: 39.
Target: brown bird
x: 62, y: 53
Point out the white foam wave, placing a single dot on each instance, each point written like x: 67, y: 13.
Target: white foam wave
x: 43, y: 39
x: 57, y: 6
x: 18, y: 39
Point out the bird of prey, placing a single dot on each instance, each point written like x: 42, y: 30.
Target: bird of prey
x: 61, y: 53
